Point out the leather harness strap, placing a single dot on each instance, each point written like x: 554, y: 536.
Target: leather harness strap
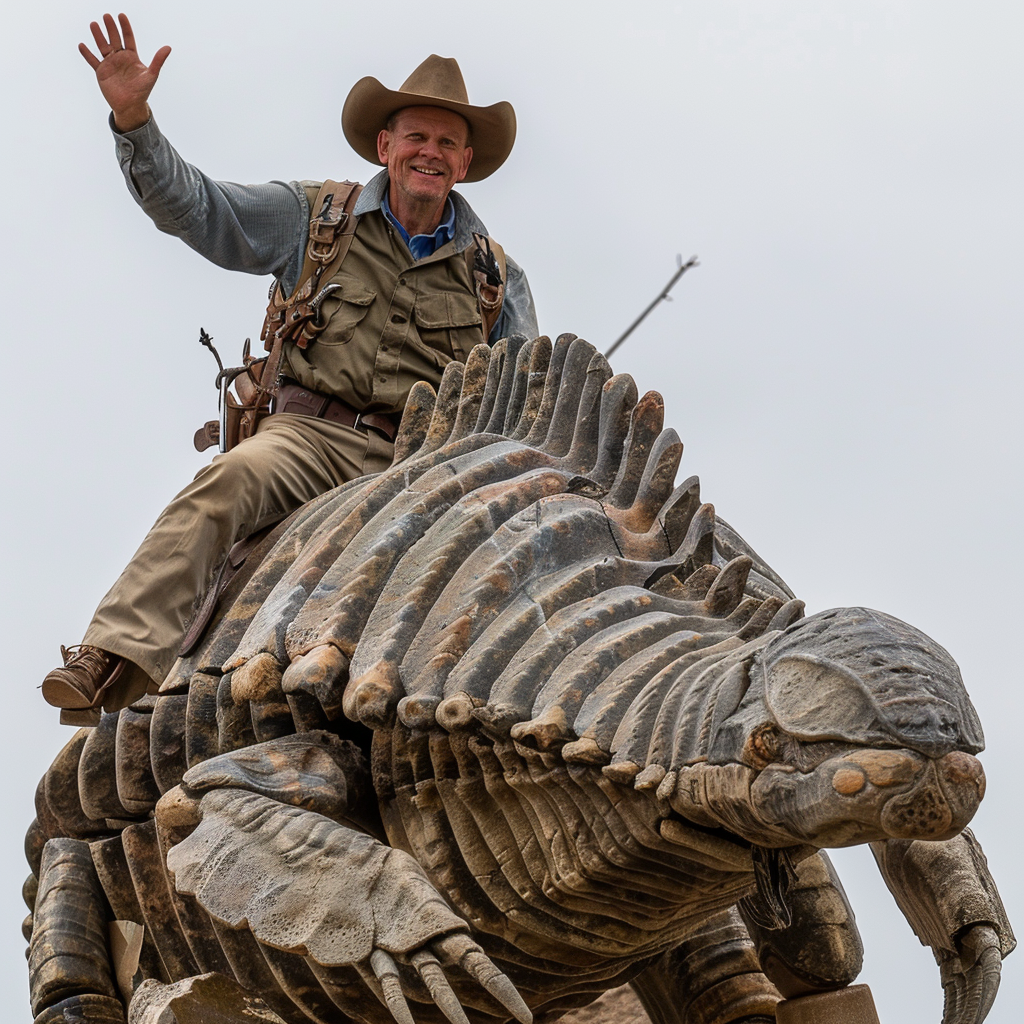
x: 331, y: 230
x: 296, y: 318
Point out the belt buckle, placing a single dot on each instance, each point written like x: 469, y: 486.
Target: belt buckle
x: 358, y: 423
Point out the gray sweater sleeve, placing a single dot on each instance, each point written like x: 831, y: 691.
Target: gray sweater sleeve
x: 258, y: 229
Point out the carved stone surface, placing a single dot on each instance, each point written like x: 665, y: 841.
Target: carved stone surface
x: 501, y: 729
x: 207, y: 999
x: 617, y: 1006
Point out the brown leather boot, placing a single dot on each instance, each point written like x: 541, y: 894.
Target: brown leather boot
x: 83, y: 681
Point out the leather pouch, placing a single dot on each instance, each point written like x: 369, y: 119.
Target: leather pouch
x: 244, y: 411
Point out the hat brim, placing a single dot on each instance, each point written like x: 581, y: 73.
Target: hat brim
x: 370, y: 104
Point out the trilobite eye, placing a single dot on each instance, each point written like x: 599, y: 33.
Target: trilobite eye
x: 814, y: 699
x: 763, y: 745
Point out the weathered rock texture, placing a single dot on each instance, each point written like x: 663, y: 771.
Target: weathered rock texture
x: 501, y: 729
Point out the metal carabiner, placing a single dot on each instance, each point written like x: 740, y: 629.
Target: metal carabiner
x: 317, y: 300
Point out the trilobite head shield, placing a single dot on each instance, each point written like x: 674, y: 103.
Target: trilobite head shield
x: 860, y: 728
x: 893, y: 685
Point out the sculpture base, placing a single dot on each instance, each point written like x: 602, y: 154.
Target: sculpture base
x: 852, y: 1005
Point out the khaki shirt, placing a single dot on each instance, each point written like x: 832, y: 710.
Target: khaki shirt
x: 393, y: 321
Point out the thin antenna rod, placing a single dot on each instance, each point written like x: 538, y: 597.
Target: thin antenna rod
x: 662, y: 295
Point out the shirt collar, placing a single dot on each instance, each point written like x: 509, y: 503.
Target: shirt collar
x: 424, y: 245
x: 466, y: 221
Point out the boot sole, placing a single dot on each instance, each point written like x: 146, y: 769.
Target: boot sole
x: 79, y: 716
x: 60, y: 693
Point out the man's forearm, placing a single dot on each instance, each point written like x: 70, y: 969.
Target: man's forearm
x: 257, y: 229
x: 131, y: 119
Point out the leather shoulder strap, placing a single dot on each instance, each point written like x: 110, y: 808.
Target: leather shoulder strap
x: 332, y: 226
x: 316, y: 196
x: 330, y: 234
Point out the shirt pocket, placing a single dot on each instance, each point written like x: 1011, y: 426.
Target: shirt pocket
x: 449, y: 323
x: 343, y: 309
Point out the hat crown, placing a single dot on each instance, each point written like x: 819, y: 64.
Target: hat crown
x: 439, y: 77
x: 437, y: 82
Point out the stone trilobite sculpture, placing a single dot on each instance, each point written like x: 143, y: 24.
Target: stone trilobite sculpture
x: 500, y: 729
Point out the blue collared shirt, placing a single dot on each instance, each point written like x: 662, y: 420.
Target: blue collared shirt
x: 422, y: 246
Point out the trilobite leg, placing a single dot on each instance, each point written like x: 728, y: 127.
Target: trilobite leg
x: 108, y: 857
x: 84, y: 1009
x: 69, y: 956
x: 60, y: 791
x: 149, y: 879
x: 948, y: 896
x: 711, y: 978
x: 136, y: 787
x: 821, y: 950
x: 97, y: 772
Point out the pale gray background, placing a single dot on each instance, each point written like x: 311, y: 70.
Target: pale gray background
x: 844, y: 367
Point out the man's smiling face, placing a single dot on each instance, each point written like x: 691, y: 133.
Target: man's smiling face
x: 427, y: 152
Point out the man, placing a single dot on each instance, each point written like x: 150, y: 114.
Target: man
x: 403, y: 304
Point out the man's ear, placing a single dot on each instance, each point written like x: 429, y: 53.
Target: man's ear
x: 384, y: 142
x: 467, y: 159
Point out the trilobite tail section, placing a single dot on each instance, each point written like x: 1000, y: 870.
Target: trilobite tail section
x: 713, y: 977
x: 69, y: 954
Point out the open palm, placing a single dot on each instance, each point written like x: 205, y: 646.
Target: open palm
x: 123, y: 78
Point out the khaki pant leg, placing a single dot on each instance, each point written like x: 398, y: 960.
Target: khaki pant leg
x: 289, y: 461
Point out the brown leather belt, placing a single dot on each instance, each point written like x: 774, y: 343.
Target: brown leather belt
x: 294, y: 398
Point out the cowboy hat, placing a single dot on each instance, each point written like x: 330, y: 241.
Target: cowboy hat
x: 437, y: 82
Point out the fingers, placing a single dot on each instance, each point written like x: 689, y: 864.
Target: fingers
x: 387, y: 974
x: 111, y: 42
x: 112, y: 33
x: 158, y: 59
x: 126, y: 31
x: 90, y: 58
x: 461, y: 949
x: 101, y: 40
x: 437, y: 984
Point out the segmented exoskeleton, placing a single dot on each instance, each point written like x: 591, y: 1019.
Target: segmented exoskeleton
x: 508, y: 725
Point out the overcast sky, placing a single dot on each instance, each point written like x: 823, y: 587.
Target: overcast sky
x: 844, y: 367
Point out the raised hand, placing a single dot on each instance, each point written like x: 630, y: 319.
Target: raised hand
x: 123, y: 79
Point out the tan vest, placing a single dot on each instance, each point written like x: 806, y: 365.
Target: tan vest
x: 392, y: 322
